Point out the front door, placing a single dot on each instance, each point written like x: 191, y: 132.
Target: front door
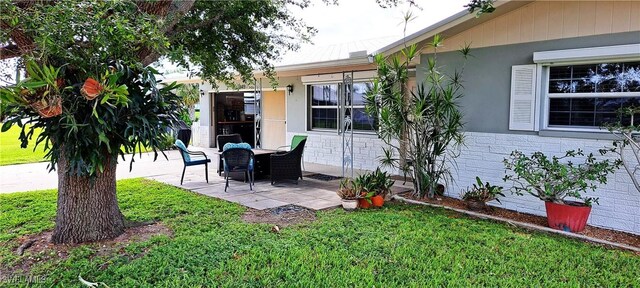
x: 274, y: 125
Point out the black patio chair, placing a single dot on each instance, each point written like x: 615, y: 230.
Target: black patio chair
x: 199, y: 159
x: 286, y: 165
x: 238, y: 160
x: 224, y: 139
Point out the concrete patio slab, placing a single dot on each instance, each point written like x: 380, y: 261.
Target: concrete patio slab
x: 289, y: 197
x: 265, y: 204
x: 320, y: 204
x: 309, y: 193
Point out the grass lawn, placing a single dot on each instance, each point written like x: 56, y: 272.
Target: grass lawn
x: 398, y: 246
x: 11, y: 153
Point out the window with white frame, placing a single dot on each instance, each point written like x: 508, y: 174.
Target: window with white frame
x: 589, y: 95
x: 324, y: 109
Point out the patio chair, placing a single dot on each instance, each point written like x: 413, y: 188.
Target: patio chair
x: 222, y: 140
x: 192, y: 158
x: 295, y: 141
x: 286, y: 165
x: 238, y: 157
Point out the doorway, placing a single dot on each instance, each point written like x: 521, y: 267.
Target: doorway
x: 274, y: 119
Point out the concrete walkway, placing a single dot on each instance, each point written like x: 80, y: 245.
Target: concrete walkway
x: 310, y: 193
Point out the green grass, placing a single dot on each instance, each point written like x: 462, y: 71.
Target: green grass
x: 11, y: 153
x: 398, y: 246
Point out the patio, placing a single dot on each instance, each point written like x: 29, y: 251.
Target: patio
x: 309, y: 193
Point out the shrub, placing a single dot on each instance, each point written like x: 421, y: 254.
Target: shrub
x: 553, y: 179
x: 482, y: 192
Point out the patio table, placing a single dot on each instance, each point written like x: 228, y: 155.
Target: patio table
x: 261, y: 165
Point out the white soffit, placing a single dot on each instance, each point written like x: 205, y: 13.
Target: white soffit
x: 357, y: 75
x: 619, y: 52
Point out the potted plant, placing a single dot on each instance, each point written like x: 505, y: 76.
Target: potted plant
x: 363, y: 185
x: 372, y: 187
x: 348, y: 194
x: 381, y: 187
x: 477, y: 197
x: 552, y: 179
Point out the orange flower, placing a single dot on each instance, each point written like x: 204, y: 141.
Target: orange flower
x: 91, y: 89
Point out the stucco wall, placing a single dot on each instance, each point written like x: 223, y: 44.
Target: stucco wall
x: 487, y: 76
x: 482, y: 156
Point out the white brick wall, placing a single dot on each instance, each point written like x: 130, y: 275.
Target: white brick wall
x: 619, y: 207
x: 326, y: 148
x: 482, y: 156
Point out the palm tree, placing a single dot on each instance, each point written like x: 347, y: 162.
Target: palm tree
x: 190, y: 94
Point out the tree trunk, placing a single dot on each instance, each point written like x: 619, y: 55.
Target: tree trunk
x: 192, y: 113
x: 87, y: 207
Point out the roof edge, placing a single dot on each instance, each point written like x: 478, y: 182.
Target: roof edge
x: 429, y: 31
x: 324, y: 64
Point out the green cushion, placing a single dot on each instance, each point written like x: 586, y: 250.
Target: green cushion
x: 295, y: 141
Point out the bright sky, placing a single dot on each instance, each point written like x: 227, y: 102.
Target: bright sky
x: 355, y: 20
x: 363, y: 19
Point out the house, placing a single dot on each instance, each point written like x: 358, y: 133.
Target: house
x: 523, y: 91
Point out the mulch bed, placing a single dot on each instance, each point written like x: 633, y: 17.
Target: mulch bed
x: 282, y: 216
x: 38, y: 248
x: 322, y: 177
x: 595, y: 232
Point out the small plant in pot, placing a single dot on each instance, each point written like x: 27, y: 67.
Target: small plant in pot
x: 373, y: 187
x: 553, y: 179
x: 477, y: 197
x: 381, y: 187
x: 348, y: 194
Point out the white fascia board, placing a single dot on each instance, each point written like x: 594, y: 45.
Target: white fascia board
x: 621, y: 52
x: 324, y: 64
x: 357, y: 75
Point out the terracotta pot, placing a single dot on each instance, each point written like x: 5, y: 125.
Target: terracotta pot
x: 349, y: 204
x: 377, y: 201
x: 363, y: 203
x: 571, y: 217
x: 476, y: 205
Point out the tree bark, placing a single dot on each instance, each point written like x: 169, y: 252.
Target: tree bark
x: 87, y: 207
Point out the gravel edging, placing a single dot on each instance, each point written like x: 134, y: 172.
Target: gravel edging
x: 524, y: 225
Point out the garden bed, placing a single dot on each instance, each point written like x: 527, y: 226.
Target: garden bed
x: 590, y: 231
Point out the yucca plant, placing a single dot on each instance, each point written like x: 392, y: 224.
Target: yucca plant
x: 421, y: 128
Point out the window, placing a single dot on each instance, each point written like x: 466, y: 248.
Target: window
x: 324, y: 106
x: 590, y: 95
x: 325, y: 110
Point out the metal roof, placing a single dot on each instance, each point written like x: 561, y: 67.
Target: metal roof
x: 334, y: 52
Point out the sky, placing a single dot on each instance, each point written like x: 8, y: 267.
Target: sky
x: 356, y: 20
x: 364, y: 19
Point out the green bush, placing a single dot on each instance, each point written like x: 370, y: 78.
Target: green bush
x: 553, y: 179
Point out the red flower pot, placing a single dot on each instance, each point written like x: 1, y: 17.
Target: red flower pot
x: 571, y: 217
x: 363, y: 203
x: 377, y: 201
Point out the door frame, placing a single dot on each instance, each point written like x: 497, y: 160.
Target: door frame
x: 279, y: 88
